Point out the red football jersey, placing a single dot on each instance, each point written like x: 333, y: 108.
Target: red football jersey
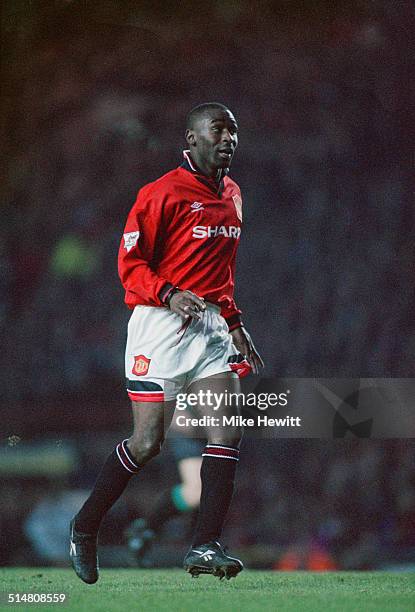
x: 183, y: 229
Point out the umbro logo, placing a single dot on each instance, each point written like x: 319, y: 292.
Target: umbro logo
x: 196, y: 206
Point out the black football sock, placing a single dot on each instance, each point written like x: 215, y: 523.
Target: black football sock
x: 170, y: 504
x: 218, y: 476
x: 111, y: 482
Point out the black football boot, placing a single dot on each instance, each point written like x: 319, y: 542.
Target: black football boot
x: 83, y: 553
x: 210, y: 558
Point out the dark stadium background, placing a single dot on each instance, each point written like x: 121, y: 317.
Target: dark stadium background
x: 94, y: 96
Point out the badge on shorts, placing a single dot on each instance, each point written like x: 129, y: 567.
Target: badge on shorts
x: 141, y: 365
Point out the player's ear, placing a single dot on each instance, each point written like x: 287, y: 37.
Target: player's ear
x: 190, y: 137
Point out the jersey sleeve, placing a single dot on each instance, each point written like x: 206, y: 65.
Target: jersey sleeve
x: 229, y: 310
x: 232, y: 316
x: 140, y: 248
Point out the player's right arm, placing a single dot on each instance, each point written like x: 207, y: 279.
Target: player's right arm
x: 142, y: 233
x: 142, y: 238
x: 187, y: 304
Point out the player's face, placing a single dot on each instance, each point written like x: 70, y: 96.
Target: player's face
x: 214, y: 140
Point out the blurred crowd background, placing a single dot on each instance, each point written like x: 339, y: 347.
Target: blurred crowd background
x: 94, y: 101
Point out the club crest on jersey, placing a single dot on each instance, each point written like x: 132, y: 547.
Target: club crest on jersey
x: 196, y: 206
x: 130, y: 240
x: 237, y: 200
x: 141, y: 365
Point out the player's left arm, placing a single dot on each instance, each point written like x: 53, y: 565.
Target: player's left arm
x: 240, y: 337
x: 243, y: 342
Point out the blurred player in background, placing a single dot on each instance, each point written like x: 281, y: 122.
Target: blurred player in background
x: 185, y: 335
x: 182, y: 499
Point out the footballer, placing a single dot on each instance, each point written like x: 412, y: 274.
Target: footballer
x: 176, y: 263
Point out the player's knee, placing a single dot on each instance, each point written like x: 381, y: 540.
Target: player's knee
x: 231, y: 437
x: 144, y: 449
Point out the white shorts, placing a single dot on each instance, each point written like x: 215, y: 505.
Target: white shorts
x: 162, y: 359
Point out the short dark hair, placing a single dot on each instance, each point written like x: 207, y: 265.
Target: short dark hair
x: 200, y: 110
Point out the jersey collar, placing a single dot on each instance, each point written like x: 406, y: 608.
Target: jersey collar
x: 213, y: 184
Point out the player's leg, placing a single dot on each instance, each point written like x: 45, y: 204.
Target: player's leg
x: 220, y: 459
x: 126, y: 460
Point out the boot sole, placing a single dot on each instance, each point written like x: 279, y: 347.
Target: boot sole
x: 222, y: 571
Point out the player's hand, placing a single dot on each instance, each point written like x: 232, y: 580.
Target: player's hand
x: 187, y: 304
x: 243, y: 342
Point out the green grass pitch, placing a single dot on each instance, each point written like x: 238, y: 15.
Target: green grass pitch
x: 252, y: 591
